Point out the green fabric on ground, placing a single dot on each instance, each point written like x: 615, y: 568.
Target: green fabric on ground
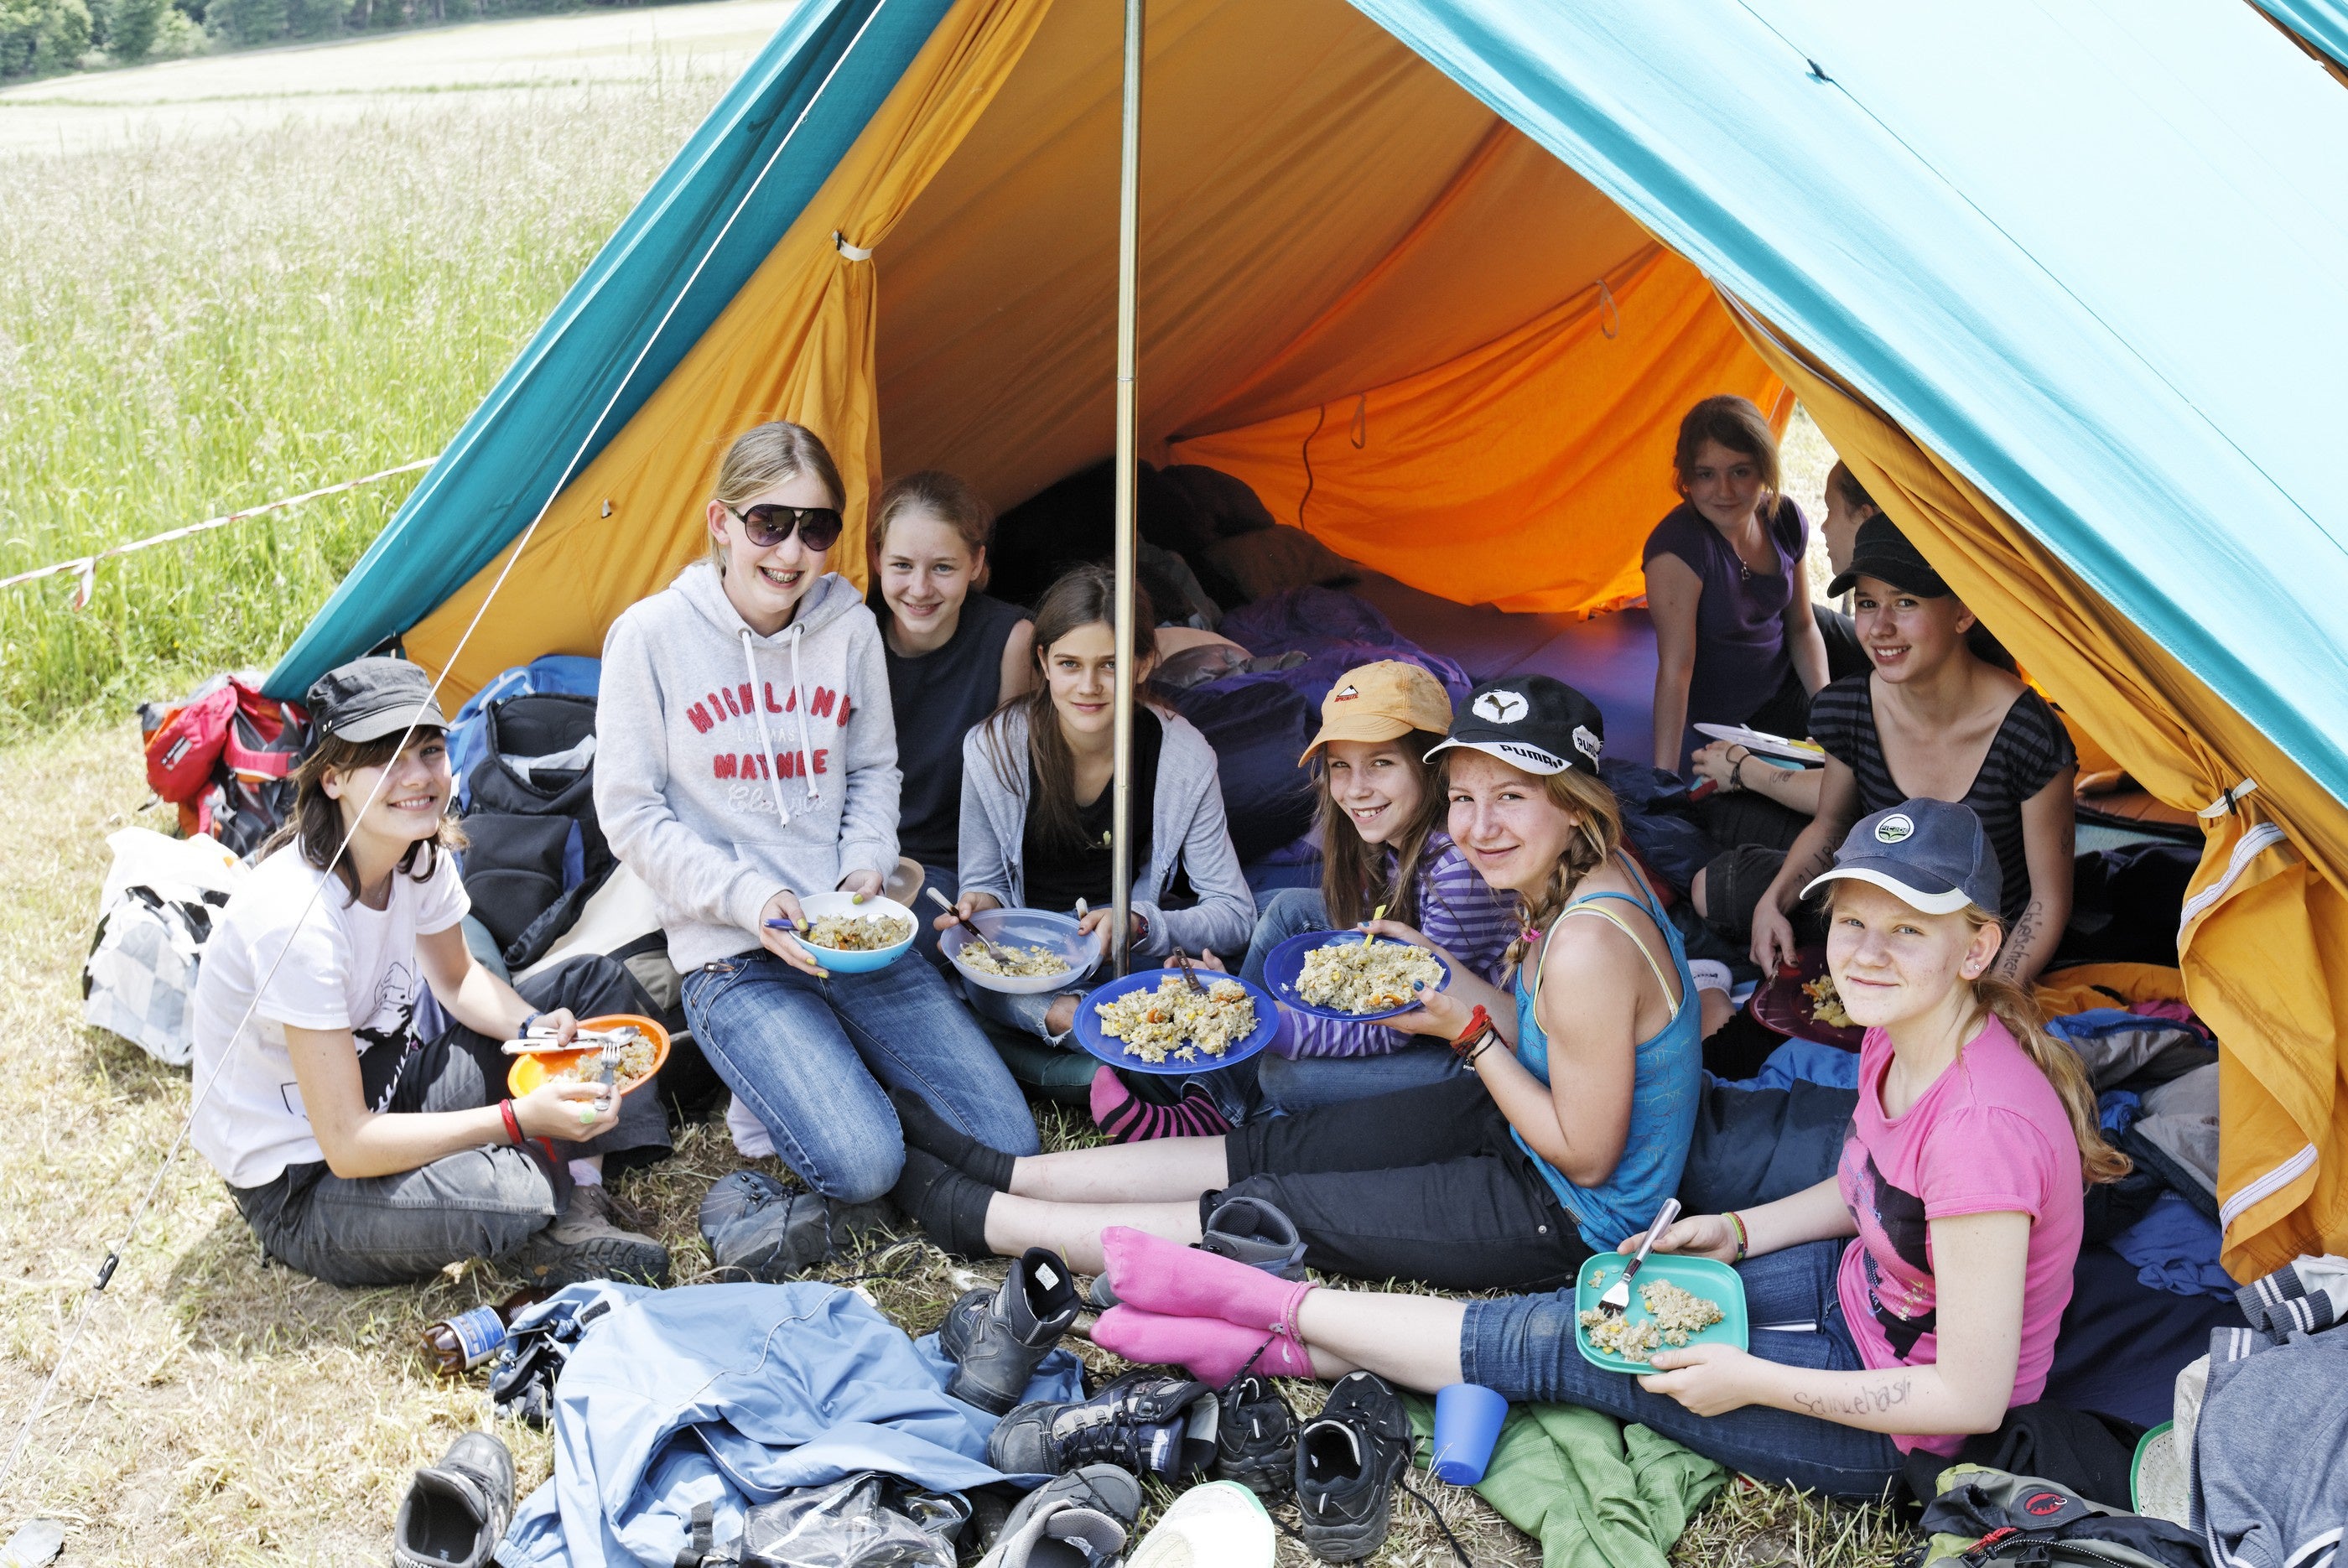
x: 1594, y: 1492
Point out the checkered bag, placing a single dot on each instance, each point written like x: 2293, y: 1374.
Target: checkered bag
x: 155, y: 917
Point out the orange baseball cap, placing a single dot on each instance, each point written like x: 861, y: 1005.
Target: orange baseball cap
x: 1382, y: 701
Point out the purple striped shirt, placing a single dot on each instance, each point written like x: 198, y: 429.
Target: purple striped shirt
x: 1456, y: 912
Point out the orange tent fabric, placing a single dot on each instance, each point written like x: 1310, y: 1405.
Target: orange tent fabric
x: 2264, y: 946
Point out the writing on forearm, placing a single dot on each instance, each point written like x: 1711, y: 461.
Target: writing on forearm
x: 1864, y: 1401
x: 2016, y: 951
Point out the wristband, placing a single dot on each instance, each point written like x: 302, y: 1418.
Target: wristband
x: 1738, y: 1220
x: 526, y: 1023
x: 513, y: 1123
x: 1479, y: 1024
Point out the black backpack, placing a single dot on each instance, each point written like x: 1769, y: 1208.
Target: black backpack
x: 1985, y: 1516
x: 534, y: 853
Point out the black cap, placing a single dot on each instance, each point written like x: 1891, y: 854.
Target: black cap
x: 367, y: 699
x: 1879, y: 549
x: 1934, y: 854
x: 1537, y: 723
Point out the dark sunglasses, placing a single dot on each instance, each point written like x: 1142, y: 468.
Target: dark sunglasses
x: 817, y: 527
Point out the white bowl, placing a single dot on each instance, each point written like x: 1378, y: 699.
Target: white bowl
x: 1027, y: 928
x: 815, y: 905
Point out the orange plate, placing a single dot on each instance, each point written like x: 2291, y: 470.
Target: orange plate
x: 530, y: 1071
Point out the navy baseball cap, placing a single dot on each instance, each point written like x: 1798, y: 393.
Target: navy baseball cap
x: 1537, y: 723
x: 1931, y: 854
x: 367, y: 699
x: 1879, y: 549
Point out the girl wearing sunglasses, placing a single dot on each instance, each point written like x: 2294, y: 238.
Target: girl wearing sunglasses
x: 748, y: 756
x: 954, y: 653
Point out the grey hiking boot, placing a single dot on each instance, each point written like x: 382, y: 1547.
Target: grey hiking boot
x: 1073, y: 1521
x: 456, y: 1512
x: 758, y: 1229
x: 995, y: 1338
x: 1147, y: 1422
x: 583, y: 1243
x: 1250, y: 1231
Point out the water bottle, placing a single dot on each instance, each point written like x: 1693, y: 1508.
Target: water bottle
x: 459, y: 1342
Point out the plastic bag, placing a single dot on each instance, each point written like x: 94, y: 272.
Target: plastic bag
x: 865, y: 1521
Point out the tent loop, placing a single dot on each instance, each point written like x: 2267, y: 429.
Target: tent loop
x: 1610, y: 319
x: 2229, y: 804
x: 1319, y: 420
x: 852, y: 253
x: 1361, y: 434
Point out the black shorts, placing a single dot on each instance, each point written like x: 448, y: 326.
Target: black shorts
x: 1422, y: 1184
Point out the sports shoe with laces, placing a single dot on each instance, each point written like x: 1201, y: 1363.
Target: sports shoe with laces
x: 997, y: 1337
x: 758, y: 1229
x: 583, y: 1243
x: 1348, y: 1459
x: 456, y: 1512
x: 1074, y: 1520
x: 1255, y: 1437
x: 1149, y: 1423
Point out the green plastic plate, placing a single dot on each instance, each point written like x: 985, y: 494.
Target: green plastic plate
x: 1697, y: 1277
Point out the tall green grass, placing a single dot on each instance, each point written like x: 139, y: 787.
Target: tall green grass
x: 189, y: 327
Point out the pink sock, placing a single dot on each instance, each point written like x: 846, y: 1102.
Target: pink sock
x: 1182, y: 1282
x: 1213, y: 1350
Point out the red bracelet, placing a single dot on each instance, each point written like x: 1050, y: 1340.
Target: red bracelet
x: 1479, y: 1024
x: 513, y: 1123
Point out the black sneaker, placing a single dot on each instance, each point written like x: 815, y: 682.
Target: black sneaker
x: 456, y: 1512
x: 1348, y: 1459
x: 997, y: 1337
x: 1146, y: 1421
x: 1255, y: 1437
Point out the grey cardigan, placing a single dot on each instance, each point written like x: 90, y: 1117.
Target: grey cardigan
x: 1186, y: 828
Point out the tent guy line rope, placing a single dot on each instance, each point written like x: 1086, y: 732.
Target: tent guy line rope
x: 170, y: 1156
x: 85, y: 567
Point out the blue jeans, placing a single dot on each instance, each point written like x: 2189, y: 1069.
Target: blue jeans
x: 1291, y: 911
x: 810, y: 1059
x: 925, y: 914
x: 1523, y: 1346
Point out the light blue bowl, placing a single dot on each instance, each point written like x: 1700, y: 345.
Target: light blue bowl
x: 815, y: 905
x: 1027, y: 928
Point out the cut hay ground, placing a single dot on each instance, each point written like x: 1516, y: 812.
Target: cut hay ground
x: 224, y: 1410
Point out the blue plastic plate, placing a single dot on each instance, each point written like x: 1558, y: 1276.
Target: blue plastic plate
x: 1697, y: 1277
x: 1285, y: 963
x: 1088, y: 1031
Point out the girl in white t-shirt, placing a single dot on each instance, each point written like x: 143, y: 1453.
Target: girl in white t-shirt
x: 357, y: 1152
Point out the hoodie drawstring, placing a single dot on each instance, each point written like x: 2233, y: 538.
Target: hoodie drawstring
x: 807, y: 739
x: 758, y: 711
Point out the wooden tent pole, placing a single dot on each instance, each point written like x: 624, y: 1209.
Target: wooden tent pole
x: 1128, y: 227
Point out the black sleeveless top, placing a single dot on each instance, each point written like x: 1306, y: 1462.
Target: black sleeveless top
x: 937, y: 696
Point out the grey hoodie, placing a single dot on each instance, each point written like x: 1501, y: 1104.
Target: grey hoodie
x: 683, y: 784
x: 1186, y: 828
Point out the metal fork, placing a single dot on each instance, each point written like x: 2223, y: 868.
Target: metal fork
x: 1617, y: 1299
x: 967, y: 924
x: 1182, y: 962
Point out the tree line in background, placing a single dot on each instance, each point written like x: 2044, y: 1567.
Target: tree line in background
x: 43, y: 38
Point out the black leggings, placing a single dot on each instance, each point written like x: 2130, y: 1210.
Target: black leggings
x: 1421, y: 1184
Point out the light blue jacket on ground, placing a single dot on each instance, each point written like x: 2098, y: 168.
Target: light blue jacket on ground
x: 731, y: 1395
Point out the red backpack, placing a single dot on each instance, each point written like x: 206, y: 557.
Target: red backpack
x: 221, y: 755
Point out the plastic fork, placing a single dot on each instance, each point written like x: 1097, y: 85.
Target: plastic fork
x: 1617, y: 1299
x: 1375, y: 914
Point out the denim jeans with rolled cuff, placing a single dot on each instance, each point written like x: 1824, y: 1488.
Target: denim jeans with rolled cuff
x: 1523, y: 1347
x: 813, y: 1060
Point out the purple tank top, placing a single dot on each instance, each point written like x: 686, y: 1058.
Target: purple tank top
x: 1740, y: 626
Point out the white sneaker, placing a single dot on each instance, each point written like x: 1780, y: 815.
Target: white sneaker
x: 751, y: 1140
x: 1219, y: 1524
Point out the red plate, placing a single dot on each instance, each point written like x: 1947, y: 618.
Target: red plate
x: 1779, y: 1004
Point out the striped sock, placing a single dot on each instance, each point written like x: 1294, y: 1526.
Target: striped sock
x: 1120, y: 1113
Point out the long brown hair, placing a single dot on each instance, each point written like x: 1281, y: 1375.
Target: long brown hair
x: 1597, y: 836
x: 1086, y: 596
x: 1354, y: 878
x: 1741, y: 427
x: 315, y: 823
x: 2010, y: 1004
x: 933, y: 492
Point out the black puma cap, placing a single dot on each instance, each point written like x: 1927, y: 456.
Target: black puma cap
x: 1537, y: 723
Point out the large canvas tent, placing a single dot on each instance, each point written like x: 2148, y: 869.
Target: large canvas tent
x: 2062, y: 283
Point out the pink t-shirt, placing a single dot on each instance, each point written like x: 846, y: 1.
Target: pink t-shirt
x: 1988, y: 1135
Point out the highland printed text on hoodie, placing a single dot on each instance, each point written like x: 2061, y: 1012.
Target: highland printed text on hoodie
x: 734, y: 703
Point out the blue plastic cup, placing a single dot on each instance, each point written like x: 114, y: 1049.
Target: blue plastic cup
x: 1467, y: 1418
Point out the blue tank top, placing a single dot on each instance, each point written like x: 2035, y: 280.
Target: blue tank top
x: 1665, y: 1084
